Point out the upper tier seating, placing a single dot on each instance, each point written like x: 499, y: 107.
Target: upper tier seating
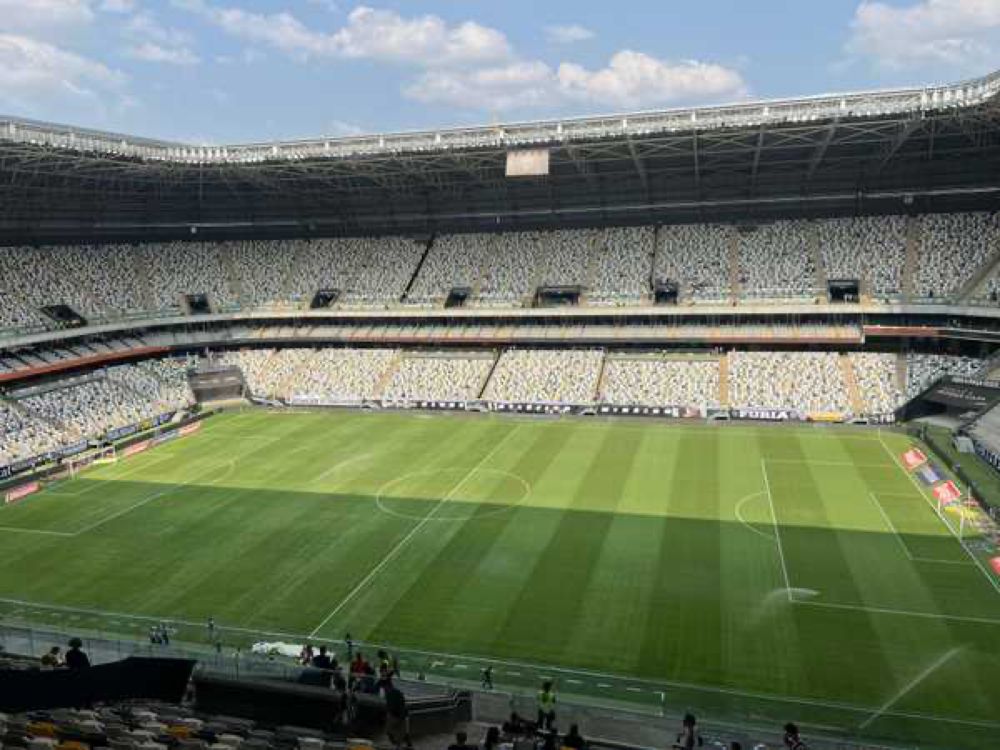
x: 616, y: 266
x: 870, y: 248
x: 776, y: 261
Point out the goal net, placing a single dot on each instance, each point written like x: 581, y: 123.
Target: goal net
x: 98, y: 456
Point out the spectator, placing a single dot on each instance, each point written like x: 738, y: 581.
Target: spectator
x: 306, y: 655
x: 688, y: 739
x: 516, y: 725
x: 53, y: 658
x: 461, y: 742
x: 76, y: 659
x: 322, y: 659
x: 792, y: 739
x: 573, y: 739
x: 396, y: 717
x: 546, y: 706
x: 492, y: 739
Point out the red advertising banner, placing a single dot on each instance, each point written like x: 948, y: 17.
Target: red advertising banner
x: 21, y: 491
x: 947, y: 492
x: 914, y: 459
x: 189, y: 428
x: 135, y: 448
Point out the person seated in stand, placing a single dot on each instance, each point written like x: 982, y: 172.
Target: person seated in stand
x: 492, y: 739
x: 688, y: 739
x: 461, y: 742
x: 322, y: 659
x: 306, y: 655
x: 516, y: 726
x: 573, y: 738
x: 792, y: 739
x: 76, y: 659
x: 53, y: 658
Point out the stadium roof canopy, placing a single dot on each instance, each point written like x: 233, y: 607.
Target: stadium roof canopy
x: 875, y: 151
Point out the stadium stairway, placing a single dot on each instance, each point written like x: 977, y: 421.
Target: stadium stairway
x: 734, y: 267
x: 975, y: 286
x: 851, y: 383
x: 914, y: 227
x: 817, y: 257
x: 724, y: 379
x: 599, y: 388
x: 389, y: 373
x: 232, y: 273
x: 139, y: 268
x: 901, y: 372
x: 489, y: 376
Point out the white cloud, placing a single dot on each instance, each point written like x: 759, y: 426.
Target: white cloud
x: 154, y: 53
x: 118, y: 6
x: 568, y: 34
x: 44, y: 18
x: 341, y: 129
x: 962, y: 34
x: 34, y: 73
x: 155, y: 43
x: 630, y: 80
x: 371, y: 34
x: 514, y: 86
x: 634, y: 79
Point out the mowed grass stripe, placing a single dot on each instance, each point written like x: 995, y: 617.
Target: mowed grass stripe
x: 479, y: 573
x: 278, y: 543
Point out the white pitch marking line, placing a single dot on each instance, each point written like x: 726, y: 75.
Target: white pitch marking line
x: 413, y: 532
x: 777, y: 534
x: 899, y: 612
x: 742, y: 520
x: 17, y: 530
x: 563, y: 670
x: 818, y: 462
x: 938, y: 663
x: 891, y: 525
x: 920, y: 490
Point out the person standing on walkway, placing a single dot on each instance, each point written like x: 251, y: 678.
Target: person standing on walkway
x: 546, y: 706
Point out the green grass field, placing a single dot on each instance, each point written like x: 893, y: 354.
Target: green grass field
x: 758, y: 572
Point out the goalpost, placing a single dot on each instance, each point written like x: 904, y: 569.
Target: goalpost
x: 106, y: 455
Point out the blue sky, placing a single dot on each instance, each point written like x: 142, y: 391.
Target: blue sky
x: 218, y: 71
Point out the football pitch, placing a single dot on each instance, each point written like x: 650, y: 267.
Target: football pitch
x: 758, y: 572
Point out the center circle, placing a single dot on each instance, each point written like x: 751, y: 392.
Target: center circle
x: 452, y: 494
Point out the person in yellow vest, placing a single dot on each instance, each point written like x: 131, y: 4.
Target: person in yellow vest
x: 546, y: 706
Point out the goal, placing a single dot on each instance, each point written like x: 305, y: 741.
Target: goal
x: 107, y: 455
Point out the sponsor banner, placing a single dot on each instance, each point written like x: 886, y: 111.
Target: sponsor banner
x: 301, y: 399
x: 929, y: 474
x: 991, y: 457
x: 189, y: 429
x: 670, y: 412
x: 825, y: 416
x: 914, y: 458
x: 528, y: 408
x: 766, y: 415
x: 995, y: 564
x: 947, y: 493
x: 72, y: 450
x: 21, y: 491
x: 442, y: 405
x: 165, y: 437
x: 119, y: 432
x: 880, y: 418
x: 135, y: 448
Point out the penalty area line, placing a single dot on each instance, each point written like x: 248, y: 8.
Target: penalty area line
x: 401, y: 544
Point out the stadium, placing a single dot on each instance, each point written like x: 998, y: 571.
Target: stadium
x: 691, y: 410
